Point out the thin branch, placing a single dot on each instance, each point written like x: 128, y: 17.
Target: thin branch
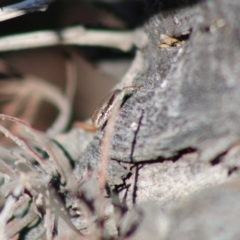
x: 105, y: 155
x: 78, y: 35
x: 22, y: 8
x: 137, y: 66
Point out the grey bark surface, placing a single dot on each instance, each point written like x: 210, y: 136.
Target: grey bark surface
x: 207, y: 215
x: 190, y: 95
x: 179, y: 133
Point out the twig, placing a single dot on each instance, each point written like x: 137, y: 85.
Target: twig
x: 105, y: 154
x: 78, y: 35
x: 135, y: 68
x: 22, y: 8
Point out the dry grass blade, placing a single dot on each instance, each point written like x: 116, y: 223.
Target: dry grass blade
x: 9, y: 206
x: 5, y: 215
x: 65, y: 166
x: 25, y: 147
x: 6, y: 169
x: 24, y: 161
x: 49, y: 223
x: 16, y: 225
x: 26, y: 96
x: 60, y: 212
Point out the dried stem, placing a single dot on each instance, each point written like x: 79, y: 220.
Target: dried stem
x: 22, y: 8
x: 105, y: 154
x: 122, y: 40
x: 4, y: 216
x: 22, y: 91
x: 23, y: 160
x: 49, y: 222
x: 71, y: 78
x: 6, y: 169
x: 8, y: 209
x: 17, y: 225
x: 137, y: 66
x: 25, y: 147
x: 54, y: 96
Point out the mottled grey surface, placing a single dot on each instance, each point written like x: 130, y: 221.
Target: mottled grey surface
x: 183, y: 126
x: 195, y: 101
x: 166, y: 181
x: 212, y: 214
x: 191, y: 95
